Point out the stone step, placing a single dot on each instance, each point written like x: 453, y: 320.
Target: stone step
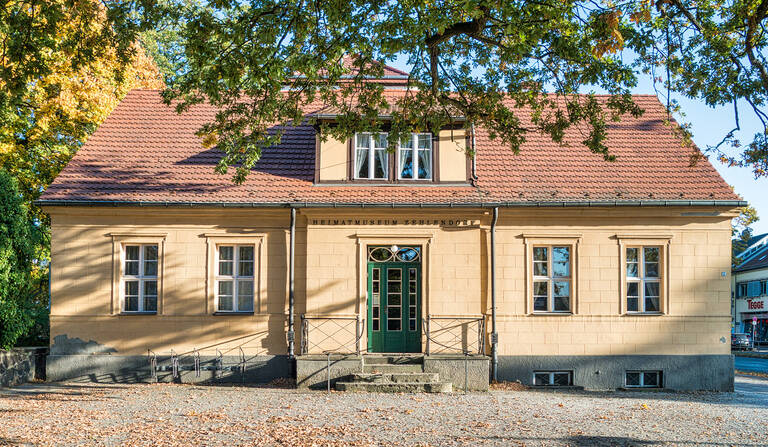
x: 393, y: 369
x: 396, y: 378
x: 393, y: 359
x: 405, y: 387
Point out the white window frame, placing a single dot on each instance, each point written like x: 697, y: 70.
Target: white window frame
x: 641, y: 279
x: 414, y: 149
x: 642, y: 373
x: 552, y: 378
x: 371, y: 157
x: 141, y: 278
x: 235, y: 278
x: 550, y: 279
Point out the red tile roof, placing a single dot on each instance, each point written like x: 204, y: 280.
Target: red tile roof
x: 145, y: 152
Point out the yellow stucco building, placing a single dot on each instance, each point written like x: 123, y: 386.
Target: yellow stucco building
x: 552, y: 267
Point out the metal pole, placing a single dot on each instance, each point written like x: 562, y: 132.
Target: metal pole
x: 328, y: 374
x: 494, y: 334
x: 466, y: 371
x: 291, y: 298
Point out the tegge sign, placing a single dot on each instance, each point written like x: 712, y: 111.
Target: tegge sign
x: 753, y: 304
x: 390, y: 222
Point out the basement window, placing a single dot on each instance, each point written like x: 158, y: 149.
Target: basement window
x: 644, y: 379
x: 553, y: 378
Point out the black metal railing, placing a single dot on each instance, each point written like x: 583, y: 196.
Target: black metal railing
x: 331, y: 334
x: 454, y: 335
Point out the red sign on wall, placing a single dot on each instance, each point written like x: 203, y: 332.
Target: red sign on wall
x: 755, y: 304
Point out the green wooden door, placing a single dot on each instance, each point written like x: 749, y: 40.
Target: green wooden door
x: 394, y: 307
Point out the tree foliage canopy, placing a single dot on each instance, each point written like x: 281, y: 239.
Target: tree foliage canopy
x: 259, y: 60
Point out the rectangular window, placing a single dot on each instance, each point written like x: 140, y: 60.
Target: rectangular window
x: 764, y: 288
x: 376, y: 306
x: 415, y: 157
x: 234, y: 278
x: 643, y: 267
x: 643, y: 379
x: 371, y: 157
x: 551, y: 278
x: 741, y: 290
x: 139, y: 278
x: 553, y: 378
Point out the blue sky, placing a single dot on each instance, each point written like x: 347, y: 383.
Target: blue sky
x: 709, y: 126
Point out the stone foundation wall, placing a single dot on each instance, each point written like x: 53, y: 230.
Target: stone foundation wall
x: 21, y: 365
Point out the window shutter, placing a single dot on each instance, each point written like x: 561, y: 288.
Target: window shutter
x: 753, y: 289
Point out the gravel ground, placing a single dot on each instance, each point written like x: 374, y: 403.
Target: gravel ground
x: 171, y: 415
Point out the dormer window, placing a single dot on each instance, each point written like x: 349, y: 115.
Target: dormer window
x: 371, y: 158
x: 415, y: 157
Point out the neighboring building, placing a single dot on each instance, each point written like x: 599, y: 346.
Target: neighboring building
x: 607, y: 274
x: 750, y: 290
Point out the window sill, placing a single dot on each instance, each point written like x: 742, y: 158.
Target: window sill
x: 233, y: 313
x: 647, y: 389
x: 564, y: 314
x: 137, y: 313
x: 643, y: 314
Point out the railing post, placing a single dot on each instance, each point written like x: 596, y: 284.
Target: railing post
x: 427, y: 345
x: 358, y: 335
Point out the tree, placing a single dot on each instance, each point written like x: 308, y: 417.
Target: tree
x: 64, y: 65
x: 741, y: 231
x: 17, y: 247
x: 260, y: 61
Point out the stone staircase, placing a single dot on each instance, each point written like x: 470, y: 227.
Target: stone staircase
x: 394, y: 374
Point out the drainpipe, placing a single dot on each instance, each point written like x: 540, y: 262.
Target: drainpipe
x: 291, y: 297
x: 494, y: 334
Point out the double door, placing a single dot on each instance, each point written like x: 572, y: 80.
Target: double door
x: 394, y: 307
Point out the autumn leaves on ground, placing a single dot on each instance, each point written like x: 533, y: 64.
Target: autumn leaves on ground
x: 186, y: 415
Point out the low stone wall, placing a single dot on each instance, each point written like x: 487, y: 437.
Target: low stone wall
x: 312, y: 371
x: 681, y: 372
x: 470, y: 371
x: 21, y: 365
x: 104, y: 368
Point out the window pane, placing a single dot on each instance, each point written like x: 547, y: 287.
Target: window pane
x: 632, y: 303
x: 150, y: 268
x: 425, y: 164
x: 150, y: 287
x: 652, y: 304
x: 562, y: 304
x: 150, y: 252
x: 375, y: 325
x: 632, y: 270
x: 539, y: 253
x: 131, y: 303
x: 225, y: 268
x: 407, y: 142
x: 131, y: 288
x: 245, y: 296
x: 394, y: 300
x: 225, y: 303
x: 380, y: 169
x: 132, y: 252
x: 394, y: 287
x: 540, y: 303
x: 132, y: 268
x: 540, y: 269
x: 562, y: 379
x: 362, y: 163
x: 393, y: 274
x: 246, y: 253
x: 364, y: 140
x: 561, y: 260
x: 541, y: 379
x: 651, y: 270
x: 633, y: 289
x: 380, y: 141
x: 425, y: 141
x: 540, y: 288
x: 150, y: 303
x: 633, y: 379
x: 393, y: 325
x: 651, y: 379
x: 651, y: 254
x: 227, y: 253
x: 406, y: 163
x: 562, y: 288
x: 631, y: 254
x: 245, y: 268
x: 651, y: 288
